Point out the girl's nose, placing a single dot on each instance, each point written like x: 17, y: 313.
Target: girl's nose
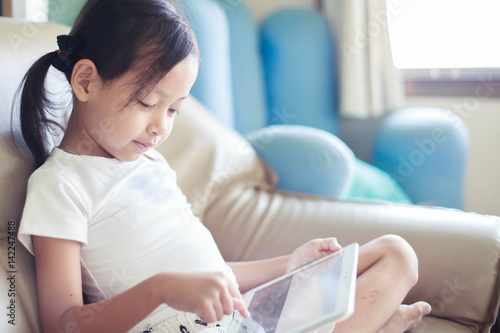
x: 158, y: 125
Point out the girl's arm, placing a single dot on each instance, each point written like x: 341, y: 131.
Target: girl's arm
x: 59, y: 283
x: 251, y: 274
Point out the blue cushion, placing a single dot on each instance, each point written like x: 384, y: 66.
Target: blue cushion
x: 425, y: 149
x: 209, y: 23
x: 307, y: 160
x: 300, y: 73
x: 250, y: 105
x: 372, y: 183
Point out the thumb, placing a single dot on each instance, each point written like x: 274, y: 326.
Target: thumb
x: 333, y: 244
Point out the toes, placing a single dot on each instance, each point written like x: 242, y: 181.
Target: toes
x: 423, y: 308
x: 417, y: 312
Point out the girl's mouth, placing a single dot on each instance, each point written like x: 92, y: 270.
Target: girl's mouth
x: 143, y: 146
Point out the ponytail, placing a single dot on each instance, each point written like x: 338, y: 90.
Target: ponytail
x: 35, y: 108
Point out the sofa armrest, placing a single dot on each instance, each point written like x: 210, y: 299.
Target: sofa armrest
x: 307, y: 160
x: 458, y: 252
x: 425, y: 150
x: 458, y: 256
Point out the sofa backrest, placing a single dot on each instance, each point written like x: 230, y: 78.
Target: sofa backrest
x: 21, y: 43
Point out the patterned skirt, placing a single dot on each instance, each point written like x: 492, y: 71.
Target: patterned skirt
x: 190, y: 323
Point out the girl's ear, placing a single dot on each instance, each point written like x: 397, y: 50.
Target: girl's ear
x: 84, y: 79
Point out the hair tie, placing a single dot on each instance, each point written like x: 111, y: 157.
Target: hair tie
x: 66, y: 55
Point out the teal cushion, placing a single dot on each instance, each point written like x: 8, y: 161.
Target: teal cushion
x: 372, y: 183
x: 64, y: 13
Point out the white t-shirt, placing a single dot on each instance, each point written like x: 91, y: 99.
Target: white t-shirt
x: 131, y: 217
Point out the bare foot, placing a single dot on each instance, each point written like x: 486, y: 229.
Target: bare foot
x: 406, y: 317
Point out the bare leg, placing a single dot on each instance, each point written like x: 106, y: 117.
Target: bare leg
x: 387, y: 270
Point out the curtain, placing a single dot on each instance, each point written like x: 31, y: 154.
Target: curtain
x: 370, y: 85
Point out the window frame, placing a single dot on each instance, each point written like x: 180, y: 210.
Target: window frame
x: 480, y: 82
x: 458, y: 81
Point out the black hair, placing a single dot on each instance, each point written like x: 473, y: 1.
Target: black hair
x: 149, y: 37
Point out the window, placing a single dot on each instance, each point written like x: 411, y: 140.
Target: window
x: 446, y: 40
x: 445, y: 33
x: 37, y: 10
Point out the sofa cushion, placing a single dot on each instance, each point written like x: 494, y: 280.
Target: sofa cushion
x: 22, y: 42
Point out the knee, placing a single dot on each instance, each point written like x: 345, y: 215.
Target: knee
x: 399, y: 251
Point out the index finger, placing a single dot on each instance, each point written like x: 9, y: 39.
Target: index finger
x: 239, y: 304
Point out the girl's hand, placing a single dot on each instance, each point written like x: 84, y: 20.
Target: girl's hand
x: 312, y: 250
x: 210, y: 295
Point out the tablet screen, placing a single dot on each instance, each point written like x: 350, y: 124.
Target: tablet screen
x: 295, y: 300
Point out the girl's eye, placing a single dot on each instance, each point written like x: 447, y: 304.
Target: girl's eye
x: 144, y: 105
x: 173, y: 111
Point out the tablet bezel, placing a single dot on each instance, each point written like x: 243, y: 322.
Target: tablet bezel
x: 346, y: 289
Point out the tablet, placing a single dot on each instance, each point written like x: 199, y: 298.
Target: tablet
x: 314, y: 296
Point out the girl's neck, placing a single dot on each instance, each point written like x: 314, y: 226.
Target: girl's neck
x: 76, y: 139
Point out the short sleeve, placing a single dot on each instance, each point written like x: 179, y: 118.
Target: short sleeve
x: 53, y: 208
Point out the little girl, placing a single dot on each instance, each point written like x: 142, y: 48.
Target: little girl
x: 117, y: 247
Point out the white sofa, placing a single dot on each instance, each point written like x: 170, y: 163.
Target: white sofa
x: 458, y: 251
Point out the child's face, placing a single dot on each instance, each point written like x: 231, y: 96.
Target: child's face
x: 127, y: 133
